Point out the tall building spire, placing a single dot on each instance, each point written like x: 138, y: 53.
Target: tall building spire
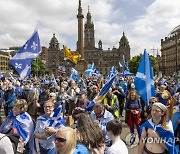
x: 88, y: 16
x: 89, y: 39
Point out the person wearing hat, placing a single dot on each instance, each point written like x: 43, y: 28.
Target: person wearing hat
x: 157, y: 134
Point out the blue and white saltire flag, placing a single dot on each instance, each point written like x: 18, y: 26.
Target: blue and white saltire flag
x: 24, y: 126
x: 95, y: 73
x: 12, y: 78
x: 123, y: 62
x: 166, y: 135
x: 120, y: 65
x: 74, y: 75
x: 113, y: 71
x: 144, y: 80
x: 102, y: 93
x: 53, y: 80
x: 24, y: 57
x: 57, y: 120
x: 90, y: 70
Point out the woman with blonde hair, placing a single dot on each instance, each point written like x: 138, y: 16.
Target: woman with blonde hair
x: 157, y: 133
x: 66, y: 142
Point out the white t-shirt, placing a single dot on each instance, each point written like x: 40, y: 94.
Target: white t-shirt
x: 118, y: 147
x: 5, y: 145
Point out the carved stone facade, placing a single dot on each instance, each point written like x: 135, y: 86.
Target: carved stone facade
x: 103, y: 59
x: 170, y: 53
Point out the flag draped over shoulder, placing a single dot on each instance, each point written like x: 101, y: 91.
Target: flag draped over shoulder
x: 144, y: 81
x: 102, y: 93
x: 166, y: 135
x: 72, y: 56
x: 27, y: 53
x: 23, y: 126
x: 57, y: 120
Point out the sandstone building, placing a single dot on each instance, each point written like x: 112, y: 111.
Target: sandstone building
x: 170, y: 53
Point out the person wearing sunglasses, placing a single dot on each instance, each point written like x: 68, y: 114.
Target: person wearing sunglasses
x: 147, y: 109
x: 66, y: 142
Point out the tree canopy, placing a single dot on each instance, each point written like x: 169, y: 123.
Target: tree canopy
x: 134, y: 63
x: 38, y: 67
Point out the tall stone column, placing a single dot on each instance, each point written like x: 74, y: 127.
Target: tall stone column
x: 80, y: 44
x: 81, y: 66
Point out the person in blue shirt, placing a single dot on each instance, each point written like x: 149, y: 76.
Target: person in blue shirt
x: 66, y: 142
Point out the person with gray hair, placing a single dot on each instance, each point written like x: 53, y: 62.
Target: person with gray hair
x: 101, y: 117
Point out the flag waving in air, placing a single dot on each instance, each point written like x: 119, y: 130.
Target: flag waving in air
x: 112, y: 72
x: 27, y: 53
x: 74, y: 75
x: 102, y: 93
x: 90, y: 70
x: 144, y: 81
x: 72, y: 56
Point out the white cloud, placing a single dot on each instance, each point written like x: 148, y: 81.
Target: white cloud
x: 153, y: 22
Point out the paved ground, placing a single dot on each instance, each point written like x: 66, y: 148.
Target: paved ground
x: 133, y: 149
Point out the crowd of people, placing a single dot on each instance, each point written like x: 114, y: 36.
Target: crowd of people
x: 55, y: 118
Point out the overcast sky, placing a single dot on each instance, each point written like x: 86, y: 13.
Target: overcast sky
x: 145, y: 22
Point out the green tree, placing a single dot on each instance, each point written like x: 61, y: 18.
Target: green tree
x: 38, y: 67
x: 134, y: 63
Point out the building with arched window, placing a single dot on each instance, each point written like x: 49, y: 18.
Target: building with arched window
x: 170, y: 53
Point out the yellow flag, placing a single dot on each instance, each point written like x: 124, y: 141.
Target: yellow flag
x: 72, y: 56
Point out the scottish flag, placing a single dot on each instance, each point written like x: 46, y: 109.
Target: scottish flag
x: 120, y: 65
x: 53, y: 80
x: 123, y: 62
x: 56, y: 120
x: 74, y: 75
x: 144, y: 81
x: 90, y: 70
x: 113, y: 71
x: 102, y: 93
x: 24, y: 57
x: 166, y: 135
x: 23, y: 126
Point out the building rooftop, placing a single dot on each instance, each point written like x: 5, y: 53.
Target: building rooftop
x: 174, y: 31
